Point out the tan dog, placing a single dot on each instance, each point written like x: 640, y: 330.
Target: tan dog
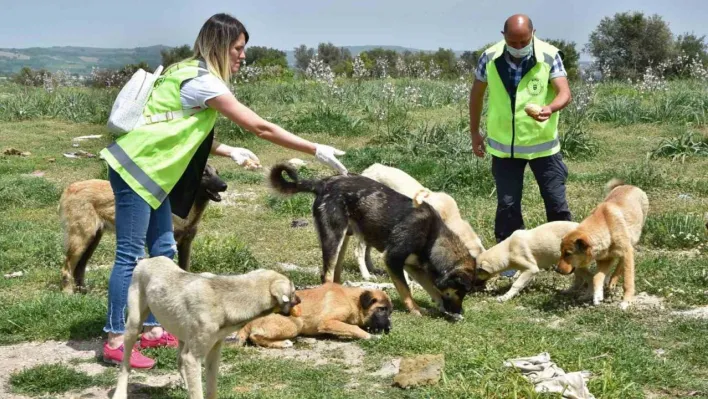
x: 443, y: 203
x: 87, y: 210
x: 607, y: 236
x: 328, y: 309
x: 200, y: 310
x: 528, y: 251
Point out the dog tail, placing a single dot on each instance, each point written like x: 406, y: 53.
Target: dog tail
x: 291, y: 187
x: 614, y: 183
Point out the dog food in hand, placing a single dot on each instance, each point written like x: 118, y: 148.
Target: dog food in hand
x: 296, y: 311
x: 533, y: 109
x: 251, y: 164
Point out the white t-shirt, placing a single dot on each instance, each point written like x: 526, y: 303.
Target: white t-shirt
x: 196, y: 92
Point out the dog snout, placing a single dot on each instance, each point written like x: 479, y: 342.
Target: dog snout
x: 296, y: 300
x: 222, y: 186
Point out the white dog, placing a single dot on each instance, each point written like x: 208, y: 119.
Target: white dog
x: 443, y: 203
x: 527, y: 251
x: 200, y: 310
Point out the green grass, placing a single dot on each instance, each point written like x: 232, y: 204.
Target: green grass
x: 56, y: 378
x: 430, y: 142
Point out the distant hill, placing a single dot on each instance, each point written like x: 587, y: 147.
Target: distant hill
x: 75, y: 59
x: 80, y: 60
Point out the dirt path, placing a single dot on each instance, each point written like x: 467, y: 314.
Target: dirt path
x: 83, y: 356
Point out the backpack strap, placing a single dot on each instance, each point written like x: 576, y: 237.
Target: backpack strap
x: 169, y: 115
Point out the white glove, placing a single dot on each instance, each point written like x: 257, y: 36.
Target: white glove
x: 326, y: 155
x: 245, y: 157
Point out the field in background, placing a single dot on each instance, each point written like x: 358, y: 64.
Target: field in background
x: 651, y: 135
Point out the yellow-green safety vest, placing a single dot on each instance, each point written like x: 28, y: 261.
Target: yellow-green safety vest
x: 152, y: 158
x: 511, y: 133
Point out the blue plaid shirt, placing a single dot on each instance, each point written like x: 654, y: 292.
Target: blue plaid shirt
x: 514, y: 71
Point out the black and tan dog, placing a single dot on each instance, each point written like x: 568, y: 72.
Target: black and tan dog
x: 87, y: 210
x: 330, y: 309
x: 414, y: 239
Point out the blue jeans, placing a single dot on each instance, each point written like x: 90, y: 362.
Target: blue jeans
x: 137, y: 224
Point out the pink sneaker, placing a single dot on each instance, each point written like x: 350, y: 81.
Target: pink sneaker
x: 166, y: 339
x: 137, y: 359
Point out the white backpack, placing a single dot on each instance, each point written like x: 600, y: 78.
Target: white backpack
x: 127, y: 112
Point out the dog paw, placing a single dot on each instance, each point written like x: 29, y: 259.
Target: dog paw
x: 503, y: 298
x: 624, y: 305
x: 416, y: 312
x: 287, y: 344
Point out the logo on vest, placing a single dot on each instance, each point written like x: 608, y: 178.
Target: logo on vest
x: 535, y: 86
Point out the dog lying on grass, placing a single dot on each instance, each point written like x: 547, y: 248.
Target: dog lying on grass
x: 330, y: 309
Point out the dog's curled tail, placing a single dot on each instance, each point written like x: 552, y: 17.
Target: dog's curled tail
x: 614, y: 183
x: 278, y: 182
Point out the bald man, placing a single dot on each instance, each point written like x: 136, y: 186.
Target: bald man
x: 521, y: 70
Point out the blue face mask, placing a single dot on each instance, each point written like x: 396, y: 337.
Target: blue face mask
x: 522, y: 52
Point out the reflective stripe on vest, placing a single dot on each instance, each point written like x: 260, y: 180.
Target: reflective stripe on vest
x: 530, y: 149
x: 153, y: 188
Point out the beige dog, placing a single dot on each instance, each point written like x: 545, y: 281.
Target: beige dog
x: 443, y: 203
x: 87, y: 211
x: 607, y: 236
x: 200, y: 310
x: 528, y: 251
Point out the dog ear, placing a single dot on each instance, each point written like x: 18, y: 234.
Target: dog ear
x: 280, y: 290
x: 420, y: 197
x: 455, y: 279
x: 580, y: 245
x: 366, y: 299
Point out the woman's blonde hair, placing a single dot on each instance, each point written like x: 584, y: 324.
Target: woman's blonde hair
x: 214, y: 41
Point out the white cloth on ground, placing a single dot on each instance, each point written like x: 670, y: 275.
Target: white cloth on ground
x: 548, y: 377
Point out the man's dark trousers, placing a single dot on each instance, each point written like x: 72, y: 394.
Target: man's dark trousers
x: 551, y: 174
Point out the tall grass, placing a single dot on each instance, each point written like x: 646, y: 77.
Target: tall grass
x: 621, y: 103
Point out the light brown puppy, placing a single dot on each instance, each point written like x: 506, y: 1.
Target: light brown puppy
x: 87, y: 210
x: 528, y: 251
x: 328, y: 309
x: 607, y: 236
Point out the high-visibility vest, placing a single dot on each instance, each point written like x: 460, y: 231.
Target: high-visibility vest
x: 511, y: 133
x: 152, y: 158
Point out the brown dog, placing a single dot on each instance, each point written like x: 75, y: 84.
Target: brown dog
x: 328, y: 309
x: 607, y: 236
x: 87, y: 210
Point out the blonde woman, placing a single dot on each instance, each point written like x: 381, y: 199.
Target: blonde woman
x: 153, y: 169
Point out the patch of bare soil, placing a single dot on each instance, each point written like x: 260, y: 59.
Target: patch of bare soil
x: 81, y: 355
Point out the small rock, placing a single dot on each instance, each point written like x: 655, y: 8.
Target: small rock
x: 82, y: 138
x: 75, y: 145
x: 51, y: 159
x: 419, y: 370
x: 299, y: 223
x: 297, y: 162
x: 389, y: 369
x: 14, y: 275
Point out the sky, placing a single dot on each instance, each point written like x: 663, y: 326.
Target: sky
x: 284, y: 24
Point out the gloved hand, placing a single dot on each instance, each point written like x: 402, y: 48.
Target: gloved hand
x: 245, y: 158
x: 326, y: 155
